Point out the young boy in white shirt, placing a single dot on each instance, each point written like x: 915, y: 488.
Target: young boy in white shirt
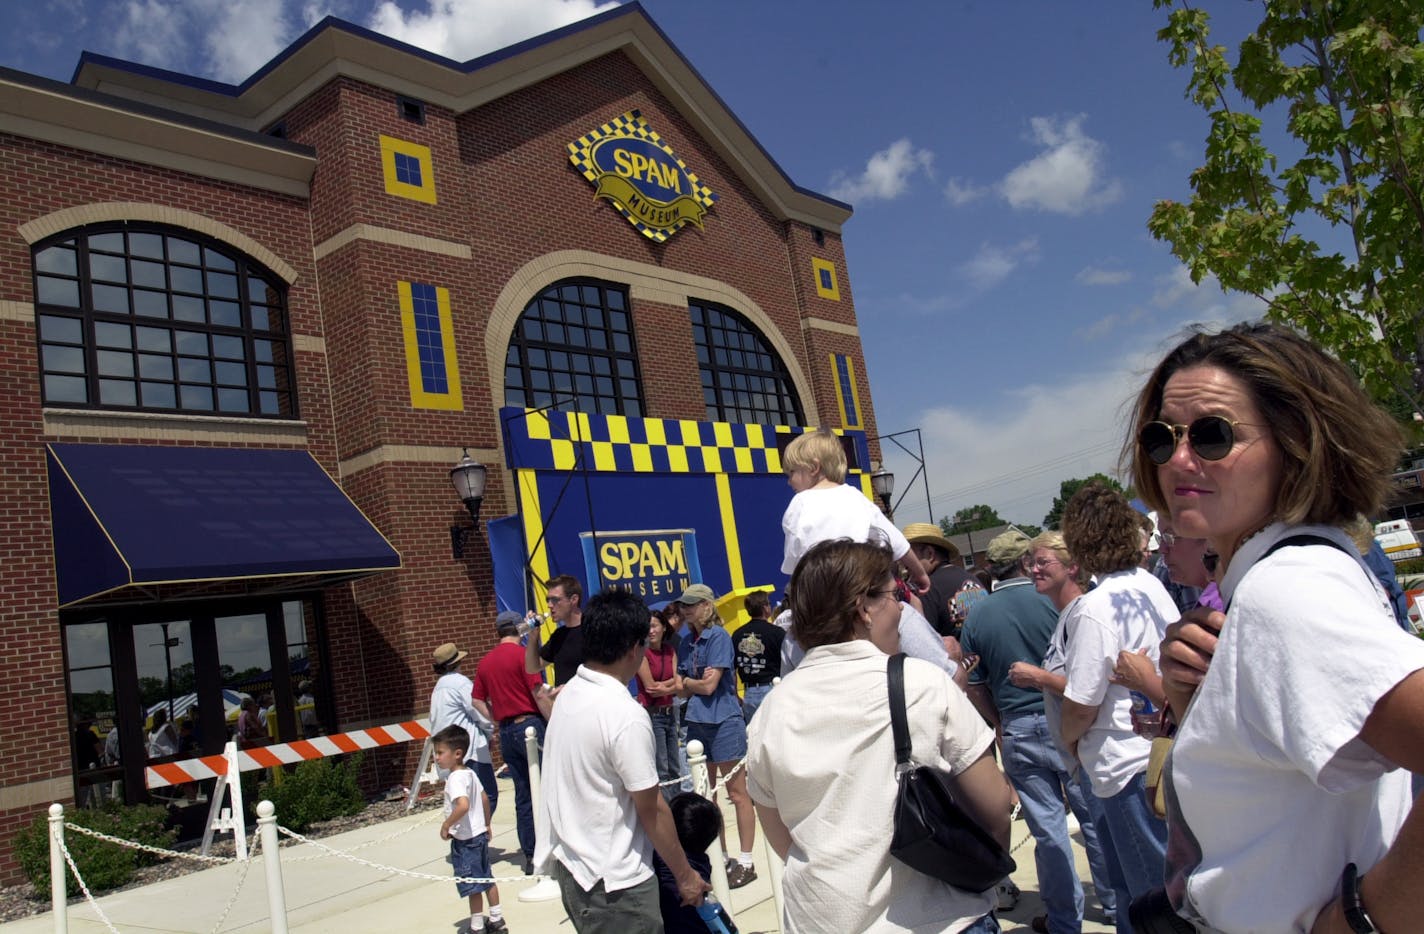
x: 824, y: 508
x: 466, y: 826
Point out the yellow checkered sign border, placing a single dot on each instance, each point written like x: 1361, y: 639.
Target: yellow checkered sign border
x: 629, y: 165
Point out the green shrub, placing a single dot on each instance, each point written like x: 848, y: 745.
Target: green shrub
x: 316, y: 791
x: 1409, y: 566
x: 103, y: 865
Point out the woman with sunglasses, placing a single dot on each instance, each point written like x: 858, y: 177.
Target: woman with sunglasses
x: 821, y: 758
x: 1288, y: 796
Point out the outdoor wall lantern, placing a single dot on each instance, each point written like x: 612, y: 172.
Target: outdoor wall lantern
x: 468, y: 476
x: 882, y: 482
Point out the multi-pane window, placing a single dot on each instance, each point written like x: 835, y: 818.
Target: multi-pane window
x: 161, y: 319
x: 407, y: 169
x: 575, y: 341
x: 743, y: 378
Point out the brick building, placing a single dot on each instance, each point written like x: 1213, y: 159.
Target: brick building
x: 248, y: 330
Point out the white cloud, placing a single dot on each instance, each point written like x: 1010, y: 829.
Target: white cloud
x: 223, y: 39
x: 887, y: 173
x: 1094, y: 275
x: 993, y: 264
x: 1067, y: 177
x: 1014, y: 451
x: 465, y: 29
x: 959, y: 192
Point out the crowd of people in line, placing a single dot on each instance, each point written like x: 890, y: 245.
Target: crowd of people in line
x: 1228, y: 700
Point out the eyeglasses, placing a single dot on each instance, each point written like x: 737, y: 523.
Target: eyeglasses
x: 1167, y: 539
x: 883, y: 593
x: 1040, y: 564
x: 1210, y: 436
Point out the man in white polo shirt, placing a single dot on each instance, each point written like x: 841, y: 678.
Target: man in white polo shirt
x: 605, y: 813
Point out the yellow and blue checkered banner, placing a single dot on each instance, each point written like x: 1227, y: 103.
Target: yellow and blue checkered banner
x: 630, y: 165
x: 578, y: 473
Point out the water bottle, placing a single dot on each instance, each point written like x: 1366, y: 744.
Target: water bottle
x: 1146, y: 718
x: 715, y: 917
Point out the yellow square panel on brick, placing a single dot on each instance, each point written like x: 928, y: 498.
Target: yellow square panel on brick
x: 824, y: 273
x: 408, y: 170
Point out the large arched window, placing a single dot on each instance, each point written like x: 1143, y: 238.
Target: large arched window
x: 575, y: 340
x: 135, y: 316
x: 743, y: 378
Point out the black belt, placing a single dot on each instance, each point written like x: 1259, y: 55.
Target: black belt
x: 510, y: 721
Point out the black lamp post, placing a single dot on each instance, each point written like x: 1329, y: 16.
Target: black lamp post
x: 882, y: 482
x: 468, y: 477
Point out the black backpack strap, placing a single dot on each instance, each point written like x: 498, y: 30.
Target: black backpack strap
x: 895, y: 672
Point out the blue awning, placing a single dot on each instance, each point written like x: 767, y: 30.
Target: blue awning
x: 135, y: 514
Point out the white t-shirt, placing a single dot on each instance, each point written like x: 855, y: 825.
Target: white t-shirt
x: 1127, y: 610
x: 1273, y: 790
x: 834, y: 512
x: 821, y: 751
x: 598, y: 749
x: 462, y: 783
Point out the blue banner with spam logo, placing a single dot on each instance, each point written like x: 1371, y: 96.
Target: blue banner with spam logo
x: 657, y: 565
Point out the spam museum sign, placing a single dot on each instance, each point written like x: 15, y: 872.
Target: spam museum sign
x: 656, y: 565
x: 630, y: 166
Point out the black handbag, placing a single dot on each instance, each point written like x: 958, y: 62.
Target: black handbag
x: 932, y: 834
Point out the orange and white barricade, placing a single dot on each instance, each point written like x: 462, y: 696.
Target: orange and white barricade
x: 225, y: 768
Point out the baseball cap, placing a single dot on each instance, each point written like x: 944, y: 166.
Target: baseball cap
x: 697, y: 593
x: 1007, y: 547
x: 508, y: 619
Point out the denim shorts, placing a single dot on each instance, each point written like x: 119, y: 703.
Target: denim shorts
x: 721, y: 742
x: 470, y: 858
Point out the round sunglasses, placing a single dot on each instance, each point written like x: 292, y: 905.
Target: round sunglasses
x: 1210, y: 436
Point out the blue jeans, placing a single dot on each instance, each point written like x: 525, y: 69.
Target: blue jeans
x: 665, y: 750
x: 516, y: 756
x: 985, y: 925
x: 1088, y: 808
x: 484, y: 771
x: 1032, y: 764
x: 1135, y: 842
x: 752, y: 699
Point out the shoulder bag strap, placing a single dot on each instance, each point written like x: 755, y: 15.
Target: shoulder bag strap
x: 895, y: 672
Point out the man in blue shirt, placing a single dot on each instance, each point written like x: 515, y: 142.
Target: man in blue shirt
x: 1013, y: 624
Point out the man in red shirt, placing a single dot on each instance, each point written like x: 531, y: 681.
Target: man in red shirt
x: 516, y: 700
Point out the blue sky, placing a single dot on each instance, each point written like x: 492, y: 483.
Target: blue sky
x: 1002, y: 158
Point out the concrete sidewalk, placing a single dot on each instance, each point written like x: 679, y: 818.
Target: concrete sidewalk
x: 326, y: 893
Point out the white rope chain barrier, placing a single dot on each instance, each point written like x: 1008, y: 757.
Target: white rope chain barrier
x: 241, y: 880
x: 415, y: 825
x: 411, y: 873
x: 144, y: 847
x: 83, y: 887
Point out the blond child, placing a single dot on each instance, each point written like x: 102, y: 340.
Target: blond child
x: 824, y: 508
x: 466, y: 826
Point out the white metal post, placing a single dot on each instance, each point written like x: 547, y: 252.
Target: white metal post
x: 58, y: 871
x: 424, y: 769
x: 702, y: 784
x: 546, y: 889
x: 271, y: 857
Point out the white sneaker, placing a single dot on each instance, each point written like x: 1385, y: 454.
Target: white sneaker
x: 1008, y: 895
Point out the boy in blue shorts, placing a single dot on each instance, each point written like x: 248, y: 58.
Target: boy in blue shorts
x: 466, y: 826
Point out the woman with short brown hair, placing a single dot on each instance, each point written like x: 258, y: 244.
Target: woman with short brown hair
x: 1288, y: 796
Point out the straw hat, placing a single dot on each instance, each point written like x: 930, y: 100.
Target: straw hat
x: 447, y: 654
x: 925, y: 533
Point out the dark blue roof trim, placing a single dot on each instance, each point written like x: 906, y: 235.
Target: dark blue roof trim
x: 149, y: 110
x: 468, y: 67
